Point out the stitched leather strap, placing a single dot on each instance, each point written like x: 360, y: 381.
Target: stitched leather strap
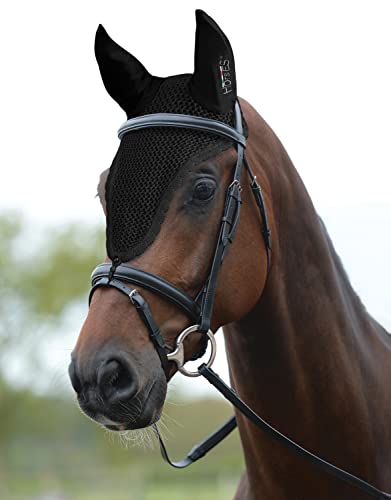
x: 182, y: 121
x: 228, y: 225
x: 150, y: 282
x: 154, y: 332
x: 257, y: 192
x: 200, y: 449
x: 211, y: 441
x: 341, y: 474
x: 144, y: 311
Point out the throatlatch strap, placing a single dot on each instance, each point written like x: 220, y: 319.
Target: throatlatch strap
x: 257, y: 192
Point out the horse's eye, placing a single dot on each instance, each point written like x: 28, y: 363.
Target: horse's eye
x: 204, y: 190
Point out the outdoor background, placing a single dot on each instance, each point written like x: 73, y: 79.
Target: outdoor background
x: 318, y: 72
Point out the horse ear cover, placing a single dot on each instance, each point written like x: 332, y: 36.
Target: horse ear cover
x: 125, y: 78
x: 213, y: 84
x: 152, y: 163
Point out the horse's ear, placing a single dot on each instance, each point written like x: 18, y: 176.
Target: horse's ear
x: 125, y: 78
x: 213, y: 83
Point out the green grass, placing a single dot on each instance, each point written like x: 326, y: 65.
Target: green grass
x: 113, y: 486
x: 47, y: 446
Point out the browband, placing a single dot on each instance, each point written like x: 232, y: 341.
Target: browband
x: 182, y: 121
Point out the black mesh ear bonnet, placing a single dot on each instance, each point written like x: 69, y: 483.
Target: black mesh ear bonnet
x: 149, y: 165
x: 151, y: 162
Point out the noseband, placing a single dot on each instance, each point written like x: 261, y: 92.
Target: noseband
x: 199, y: 310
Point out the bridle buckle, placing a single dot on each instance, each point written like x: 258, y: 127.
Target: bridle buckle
x: 131, y: 294
x: 235, y: 182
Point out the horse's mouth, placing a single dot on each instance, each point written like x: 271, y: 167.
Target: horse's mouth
x: 142, y: 411
x: 147, y: 416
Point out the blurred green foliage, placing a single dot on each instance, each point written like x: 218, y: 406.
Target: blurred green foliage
x: 54, y: 272
x: 48, y: 450
x: 39, y: 281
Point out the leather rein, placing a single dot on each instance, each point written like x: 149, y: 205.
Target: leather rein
x: 199, y: 310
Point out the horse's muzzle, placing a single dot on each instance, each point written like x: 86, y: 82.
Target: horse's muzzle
x: 110, y: 393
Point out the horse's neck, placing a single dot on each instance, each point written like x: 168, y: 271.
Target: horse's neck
x: 309, y: 359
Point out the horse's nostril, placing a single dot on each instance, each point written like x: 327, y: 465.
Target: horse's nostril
x: 116, y: 380
x: 75, y: 381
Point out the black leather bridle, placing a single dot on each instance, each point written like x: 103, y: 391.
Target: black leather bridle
x: 199, y: 310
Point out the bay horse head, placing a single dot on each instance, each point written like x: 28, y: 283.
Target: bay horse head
x: 180, y: 263
x: 169, y: 194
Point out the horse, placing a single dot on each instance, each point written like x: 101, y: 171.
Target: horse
x: 302, y: 349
